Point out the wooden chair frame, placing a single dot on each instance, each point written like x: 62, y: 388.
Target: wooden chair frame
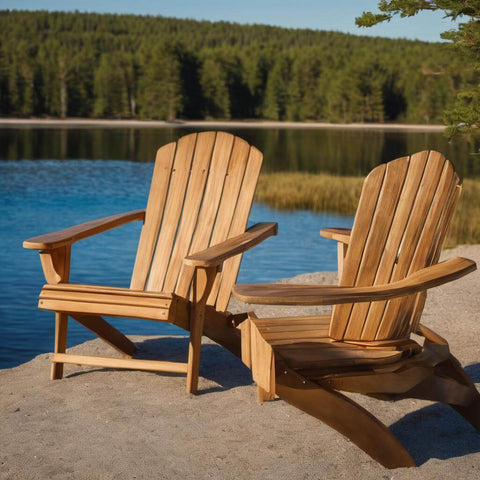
x: 386, y: 264
x: 200, y: 172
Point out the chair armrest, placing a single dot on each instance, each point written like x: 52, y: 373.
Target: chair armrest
x: 217, y: 254
x: 51, y: 241
x: 339, y: 234
x: 430, y: 335
x: 288, y: 294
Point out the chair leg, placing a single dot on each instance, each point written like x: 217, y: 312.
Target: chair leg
x: 203, y: 280
x: 453, y: 369
x: 263, y: 395
x: 61, y: 323
x: 194, y: 349
x: 343, y: 415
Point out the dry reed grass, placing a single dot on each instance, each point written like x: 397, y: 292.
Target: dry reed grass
x: 337, y: 194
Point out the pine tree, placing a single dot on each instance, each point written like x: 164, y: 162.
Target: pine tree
x: 82, y: 64
x: 277, y: 90
x: 111, y: 90
x: 464, y: 116
x: 160, y: 85
x: 21, y: 81
x: 213, y: 80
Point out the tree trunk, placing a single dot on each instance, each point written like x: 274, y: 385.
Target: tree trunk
x: 133, y: 104
x: 62, y: 76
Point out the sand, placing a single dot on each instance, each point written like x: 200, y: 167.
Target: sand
x: 107, y: 424
x: 108, y: 123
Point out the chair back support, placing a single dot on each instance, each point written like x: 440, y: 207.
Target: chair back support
x: 403, y: 216
x: 201, y: 194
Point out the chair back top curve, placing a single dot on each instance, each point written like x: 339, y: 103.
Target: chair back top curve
x: 405, y: 209
x: 201, y: 194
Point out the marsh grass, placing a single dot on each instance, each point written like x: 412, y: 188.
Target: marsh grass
x: 337, y: 194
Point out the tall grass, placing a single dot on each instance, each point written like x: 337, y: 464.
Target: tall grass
x: 466, y: 221
x: 336, y: 194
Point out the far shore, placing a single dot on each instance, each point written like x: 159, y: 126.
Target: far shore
x: 110, y: 123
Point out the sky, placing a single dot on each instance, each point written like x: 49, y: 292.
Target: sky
x: 336, y: 15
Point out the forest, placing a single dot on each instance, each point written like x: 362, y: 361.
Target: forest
x: 59, y: 64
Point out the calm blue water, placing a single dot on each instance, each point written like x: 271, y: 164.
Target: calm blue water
x: 40, y: 196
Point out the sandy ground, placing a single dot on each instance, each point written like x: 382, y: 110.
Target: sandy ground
x: 106, y: 424
x: 100, y: 123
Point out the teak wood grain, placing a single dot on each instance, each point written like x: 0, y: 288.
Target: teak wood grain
x: 188, y: 257
x: 341, y: 235
x: 386, y: 263
x: 55, y: 240
x: 293, y: 294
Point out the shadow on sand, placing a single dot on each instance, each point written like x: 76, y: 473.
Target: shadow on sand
x: 438, y: 431
x: 217, y: 363
x: 435, y: 431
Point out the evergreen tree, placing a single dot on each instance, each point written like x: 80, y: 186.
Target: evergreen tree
x: 213, y: 79
x: 256, y: 63
x: 4, y: 90
x: 86, y: 64
x: 464, y: 116
x: 21, y: 81
x: 276, y: 94
x: 160, y: 87
x: 115, y: 86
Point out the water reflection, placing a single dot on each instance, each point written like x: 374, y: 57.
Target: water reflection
x: 339, y: 151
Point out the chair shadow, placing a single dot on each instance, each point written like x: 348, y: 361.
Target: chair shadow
x: 435, y: 431
x: 438, y: 431
x: 217, y: 364
x: 473, y: 372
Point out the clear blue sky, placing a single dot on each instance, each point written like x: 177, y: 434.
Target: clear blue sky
x: 317, y: 14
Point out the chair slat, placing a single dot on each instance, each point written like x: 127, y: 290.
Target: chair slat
x: 444, y: 228
x: 153, y: 215
x: 375, y: 247
x: 239, y: 223
x: 398, y: 312
x: 367, y: 205
x: 173, y: 209
x: 228, y: 201
x: 413, y: 178
x: 211, y: 200
x: 400, y: 227
x: 311, y: 355
x: 201, y: 195
x: 191, y: 207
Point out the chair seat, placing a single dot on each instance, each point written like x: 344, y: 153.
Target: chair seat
x: 304, y: 344
x: 102, y: 300
x: 330, y: 354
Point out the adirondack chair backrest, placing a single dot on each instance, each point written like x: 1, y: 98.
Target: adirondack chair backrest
x: 201, y: 194
x: 403, y: 215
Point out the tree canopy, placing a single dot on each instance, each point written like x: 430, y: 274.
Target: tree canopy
x: 62, y: 64
x: 463, y: 116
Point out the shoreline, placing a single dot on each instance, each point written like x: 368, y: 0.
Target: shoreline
x: 110, y: 123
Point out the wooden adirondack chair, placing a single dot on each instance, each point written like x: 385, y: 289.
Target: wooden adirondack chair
x: 387, y: 262
x: 187, y: 261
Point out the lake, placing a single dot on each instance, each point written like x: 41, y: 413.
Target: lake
x: 54, y: 178
x: 339, y: 151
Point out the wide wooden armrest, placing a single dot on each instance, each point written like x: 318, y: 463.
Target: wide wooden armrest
x: 288, y: 294
x: 51, y: 241
x: 339, y: 234
x: 217, y: 254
